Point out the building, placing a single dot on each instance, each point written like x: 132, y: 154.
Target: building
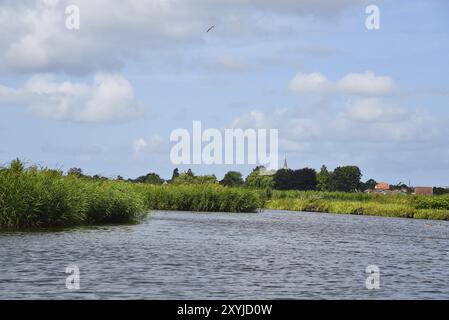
x: 382, y: 186
x: 424, y: 191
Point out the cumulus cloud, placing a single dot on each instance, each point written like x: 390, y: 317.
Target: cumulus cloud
x: 154, y: 143
x: 368, y: 84
x: 374, y: 110
x: 109, y: 98
x: 310, y: 83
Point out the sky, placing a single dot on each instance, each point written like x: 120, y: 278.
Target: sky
x: 106, y: 97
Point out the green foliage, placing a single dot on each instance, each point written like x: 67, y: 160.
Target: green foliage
x: 346, y: 179
x: 151, y: 178
x: 438, y: 191
x: 232, y: 179
x: 188, y: 177
x: 32, y: 198
x: 437, y: 202
x: 174, y: 175
x: 75, y: 172
x: 400, y: 205
x: 203, y: 198
x: 370, y: 184
x: 323, y: 179
x: 41, y: 198
x: 257, y: 180
x: 303, y: 179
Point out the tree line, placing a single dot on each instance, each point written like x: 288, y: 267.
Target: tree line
x: 345, y: 178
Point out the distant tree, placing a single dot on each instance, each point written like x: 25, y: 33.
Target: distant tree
x: 283, y: 180
x: 323, y: 179
x: 120, y: 178
x: 17, y: 166
x: 189, y: 178
x: 232, y: 179
x: 346, y: 179
x: 438, y: 191
x: 207, y: 179
x: 368, y: 185
x: 256, y: 179
x: 306, y: 179
x: 150, y: 178
x: 99, y: 177
x: 75, y: 172
x: 303, y: 179
x: 174, y: 175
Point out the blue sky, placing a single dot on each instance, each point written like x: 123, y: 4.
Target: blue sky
x: 136, y: 70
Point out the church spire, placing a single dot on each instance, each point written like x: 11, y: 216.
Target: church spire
x: 285, y: 163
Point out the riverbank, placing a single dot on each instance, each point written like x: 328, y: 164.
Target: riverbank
x: 33, y: 198
x: 400, y: 206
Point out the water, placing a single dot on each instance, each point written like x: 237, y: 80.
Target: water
x: 270, y: 255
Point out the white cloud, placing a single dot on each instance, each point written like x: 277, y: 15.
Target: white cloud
x: 374, y: 110
x: 33, y: 36
x: 154, y: 143
x: 109, y: 98
x: 310, y: 83
x: 366, y: 84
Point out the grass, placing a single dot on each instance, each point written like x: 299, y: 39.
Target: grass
x: 33, y: 198
x: 203, y: 198
x: 403, y: 206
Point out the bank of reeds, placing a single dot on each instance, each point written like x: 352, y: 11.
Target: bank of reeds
x: 41, y: 198
x: 401, y: 205
x: 202, y: 198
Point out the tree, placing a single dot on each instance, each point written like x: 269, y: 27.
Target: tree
x: 232, y: 179
x: 17, y: 166
x: 150, y: 178
x: 323, y: 179
x: 438, y: 191
x: 75, y: 172
x: 283, y: 179
x: 346, y: 179
x: 189, y: 178
x: 303, y: 179
x: 256, y: 179
x: 370, y: 184
x: 174, y: 175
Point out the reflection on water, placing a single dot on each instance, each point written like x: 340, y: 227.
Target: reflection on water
x: 182, y: 255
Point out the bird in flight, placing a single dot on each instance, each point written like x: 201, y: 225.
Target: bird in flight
x: 210, y: 28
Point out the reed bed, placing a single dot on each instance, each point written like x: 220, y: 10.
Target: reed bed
x: 33, y: 198
x: 402, y: 205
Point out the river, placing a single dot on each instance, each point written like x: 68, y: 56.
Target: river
x: 269, y: 255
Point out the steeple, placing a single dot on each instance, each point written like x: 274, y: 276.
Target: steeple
x: 285, y: 163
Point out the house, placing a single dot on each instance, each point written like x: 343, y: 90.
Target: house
x: 382, y: 186
x: 424, y: 191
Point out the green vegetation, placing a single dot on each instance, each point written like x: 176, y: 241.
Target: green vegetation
x: 303, y: 179
x: 43, y: 198
x: 401, y: 205
x: 232, y: 179
x: 201, y: 197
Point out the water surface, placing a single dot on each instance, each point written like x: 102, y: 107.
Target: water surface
x: 270, y: 255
